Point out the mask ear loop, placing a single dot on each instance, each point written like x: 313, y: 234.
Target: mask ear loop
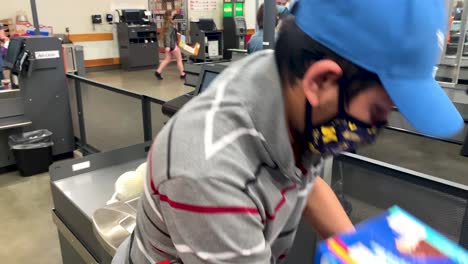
x: 308, y: 120
x: 342, y: 96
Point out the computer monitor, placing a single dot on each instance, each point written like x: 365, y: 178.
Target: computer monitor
x: 206, y: 24
x: 14, y: 49
x: 207, y: 75
x: 133, y: 16
x: 240, y: 23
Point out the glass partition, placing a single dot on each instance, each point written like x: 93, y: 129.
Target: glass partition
x: 112, y: 120
x: 372, y: 187
x: 158, y: 119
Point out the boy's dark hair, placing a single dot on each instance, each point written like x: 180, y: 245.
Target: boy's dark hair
x: 260, y: 16
x: 295, y: 51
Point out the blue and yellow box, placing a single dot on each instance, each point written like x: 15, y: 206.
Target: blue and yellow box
x: 393, y: 237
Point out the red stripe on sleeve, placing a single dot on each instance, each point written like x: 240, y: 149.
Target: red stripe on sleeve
x: 208, y: 209
x: 196, y: 208
x: 159, y: 250
x: 281, y: 202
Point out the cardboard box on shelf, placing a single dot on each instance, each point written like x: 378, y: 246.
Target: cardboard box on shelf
x: 23, y: 28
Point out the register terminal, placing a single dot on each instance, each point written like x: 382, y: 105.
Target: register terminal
x: 37, y: 70
x: 207, y: 75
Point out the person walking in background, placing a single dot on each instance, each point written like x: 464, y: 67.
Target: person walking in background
x: 169, y: 34
x: 3, y: 39
x: 256, y: 41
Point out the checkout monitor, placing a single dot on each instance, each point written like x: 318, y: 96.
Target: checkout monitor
x: 207, y: 75
x: 14, y: 49
x: 240, y: 23
x: 133, y: 16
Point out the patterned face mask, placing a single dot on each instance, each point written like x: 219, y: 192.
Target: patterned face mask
x: 341, y: 133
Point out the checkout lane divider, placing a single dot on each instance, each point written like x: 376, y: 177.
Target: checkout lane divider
x: 146, y: 101
x: 463, y: 143
x: 147, y: 125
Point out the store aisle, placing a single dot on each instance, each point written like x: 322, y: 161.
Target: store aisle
x: 28, y: 234
x: 144, y: 82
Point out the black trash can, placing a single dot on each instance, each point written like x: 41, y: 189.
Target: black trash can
x: 32, y: 151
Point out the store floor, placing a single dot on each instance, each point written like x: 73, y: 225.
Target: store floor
x: 28, y: 234
x: 144, y: 82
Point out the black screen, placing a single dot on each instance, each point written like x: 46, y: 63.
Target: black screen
x: 14, y: 49
x: 206, y: 24
x: 240, y: 24
x: 207, y: 79
x: 133, y: 16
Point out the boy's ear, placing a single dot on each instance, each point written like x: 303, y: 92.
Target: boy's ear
x: 316, y: 75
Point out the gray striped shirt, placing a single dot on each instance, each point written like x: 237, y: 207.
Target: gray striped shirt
x: 222, y: 183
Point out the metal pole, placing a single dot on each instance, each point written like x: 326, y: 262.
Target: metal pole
x: 449, y: 15
x: 37, y: 30
x: 269, y: 19
x: 464, y: 230
x: 328, y: 170
x: 461, y: 43
x: 464, y: 150
x: 79, y: 108
x: 257, y: 5
x: 147, y: 122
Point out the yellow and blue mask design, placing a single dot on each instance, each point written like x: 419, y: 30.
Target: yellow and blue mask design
x: 341, y: 133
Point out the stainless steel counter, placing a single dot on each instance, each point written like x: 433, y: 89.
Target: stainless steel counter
x: 79, y: 188
x: 90, y: 191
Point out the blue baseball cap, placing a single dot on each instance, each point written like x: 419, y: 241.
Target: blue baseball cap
x: 400, y: 41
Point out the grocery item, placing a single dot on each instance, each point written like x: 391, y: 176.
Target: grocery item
x: 129, y: 185
x: 393, y: 237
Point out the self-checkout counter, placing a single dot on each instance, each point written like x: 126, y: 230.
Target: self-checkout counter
x: 194, y: 77
x: 204, y: 32
x: 234, y: 26
x: 90, y: 231
x: 39, y: 99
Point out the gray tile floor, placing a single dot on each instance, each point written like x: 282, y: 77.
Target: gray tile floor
x: 28, y: 233
x: 144, y: 82
x: 123, y: 126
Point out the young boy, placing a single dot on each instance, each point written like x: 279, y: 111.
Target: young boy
x: 232, y: 174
